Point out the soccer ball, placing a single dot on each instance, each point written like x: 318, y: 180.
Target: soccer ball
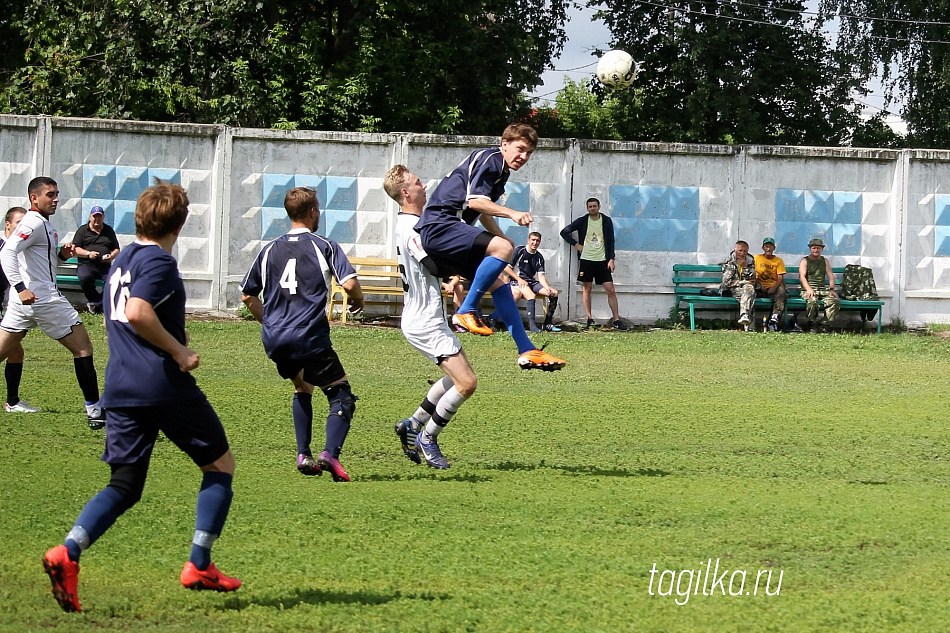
x: 616, y: 69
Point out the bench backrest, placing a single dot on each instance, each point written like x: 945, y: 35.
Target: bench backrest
x: 691, y: 278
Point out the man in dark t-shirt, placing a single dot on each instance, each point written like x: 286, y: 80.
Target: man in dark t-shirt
x: 96, y: 247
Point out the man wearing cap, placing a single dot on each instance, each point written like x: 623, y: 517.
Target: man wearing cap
x: 818, y: 285
x: 770, y: 272
x: 96, y: 247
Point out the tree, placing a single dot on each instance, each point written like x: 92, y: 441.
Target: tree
x: 729, y: 71
x: 908, y: 44
x: 367, y: 65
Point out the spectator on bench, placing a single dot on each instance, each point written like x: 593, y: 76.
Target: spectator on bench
x: 770, y: 273
x: 528, y: 280
x: 739, y: 282
x: 818, y: 285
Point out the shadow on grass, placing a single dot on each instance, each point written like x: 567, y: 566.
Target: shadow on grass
x: 319, y: 596
x: 470, y: 478
x: 583, y: 470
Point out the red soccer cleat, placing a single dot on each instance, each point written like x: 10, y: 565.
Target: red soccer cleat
x: 211, y: 578
x: 64, y: 574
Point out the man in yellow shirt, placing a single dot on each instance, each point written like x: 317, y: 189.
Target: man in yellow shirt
x: 770, y: 272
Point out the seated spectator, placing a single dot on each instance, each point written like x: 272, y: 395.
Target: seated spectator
x: 96, y: 247
x: 818, y: 285
x: 770, y: 273
x: 528, y: 280
x: 739, y: 282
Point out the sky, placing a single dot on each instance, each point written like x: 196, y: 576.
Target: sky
x: 585, y: 34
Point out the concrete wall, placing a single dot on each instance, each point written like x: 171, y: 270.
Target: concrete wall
x: 886, y: 209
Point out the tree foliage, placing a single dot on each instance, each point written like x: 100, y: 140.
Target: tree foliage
x: 908, y: 44
x: 731, y: 72
x: 365, y: 65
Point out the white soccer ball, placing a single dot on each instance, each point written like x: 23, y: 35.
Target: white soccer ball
x: 616, y: 69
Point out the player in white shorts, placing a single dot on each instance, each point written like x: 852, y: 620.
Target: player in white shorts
x: 425, y: 326
x: 29, y: 259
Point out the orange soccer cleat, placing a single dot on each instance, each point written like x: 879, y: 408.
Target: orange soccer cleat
x: 539, y: 359
x: 470, y: 322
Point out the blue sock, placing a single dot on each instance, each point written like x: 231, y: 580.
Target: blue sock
x: 96, y: 517
x: 303, y: 421
x: 508, y: 309
x: 214, y: 502
x: 485, y: 276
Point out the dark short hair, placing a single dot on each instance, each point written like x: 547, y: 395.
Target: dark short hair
x: 299, y: 201
x: 589, y: 200
x: 36, y: 185
x: 160, y: 210
x: 12, y: 212
x: 743, y: 243
x: 534, y: 233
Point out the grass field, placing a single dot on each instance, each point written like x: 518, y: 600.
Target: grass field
x: 823, y: 459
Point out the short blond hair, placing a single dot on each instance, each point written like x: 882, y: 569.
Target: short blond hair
x: 160, y: 210
x: 393, y: 182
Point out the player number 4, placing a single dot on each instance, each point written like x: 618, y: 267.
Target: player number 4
x: 288, y: 278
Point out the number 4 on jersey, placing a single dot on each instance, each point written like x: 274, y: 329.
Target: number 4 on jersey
x: 288, y: 278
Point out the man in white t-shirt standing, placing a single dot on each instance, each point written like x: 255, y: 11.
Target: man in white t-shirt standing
x: 29, y: 261
x: 425, y: 326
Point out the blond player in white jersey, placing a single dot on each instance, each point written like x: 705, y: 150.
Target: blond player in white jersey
x: 29, y: 259
x: 425, y: 326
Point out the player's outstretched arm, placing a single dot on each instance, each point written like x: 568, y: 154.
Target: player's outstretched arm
x: 354, y: 293
x: 142, y: 318
x: 254, y: 306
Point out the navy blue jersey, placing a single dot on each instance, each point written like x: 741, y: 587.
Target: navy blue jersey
x: 292, y: 277
x: 138, y: 373
x: 526, y: 264
x: 482, y: 175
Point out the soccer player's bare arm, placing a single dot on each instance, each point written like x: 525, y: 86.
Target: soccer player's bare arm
x: 487, y: 207
x: 142, y: 318
x: 254, y: 306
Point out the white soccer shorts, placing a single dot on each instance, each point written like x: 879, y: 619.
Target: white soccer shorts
x: 438, y: 342
x: 56, y: 317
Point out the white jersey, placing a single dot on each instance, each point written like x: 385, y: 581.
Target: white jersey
x: 423, y: 322
x: 29, y: 257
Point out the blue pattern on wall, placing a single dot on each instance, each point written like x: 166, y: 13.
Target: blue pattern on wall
x: 833, y: 216
x: 650, y: 218
x: 942, y: 225
x: 337, y: 196
x: 517, y: 197
x: 116, y: 189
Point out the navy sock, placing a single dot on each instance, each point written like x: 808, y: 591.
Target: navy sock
x: 531, y: 305
x: 508, y: 309
x: 96, y: 517
x: 12, y: 373
x: 486, y: 275
x: 338, y: 421
x: 86, y: 375
x: 214, y: 502
x: 303, y: 421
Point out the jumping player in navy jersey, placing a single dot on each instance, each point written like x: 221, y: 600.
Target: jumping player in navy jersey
x: 29, y: 261
x: 13, y: 370
x: 286, y: 291
x: 425, y: 327
x: 467, y: 194
x: 149, y: 388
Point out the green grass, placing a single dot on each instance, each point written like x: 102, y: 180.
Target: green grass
x: 824, y: 457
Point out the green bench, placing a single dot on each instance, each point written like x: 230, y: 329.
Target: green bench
x: 67, y: 279
x: 690, y: 279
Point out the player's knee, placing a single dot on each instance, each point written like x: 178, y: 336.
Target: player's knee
x: 500, y: 248
x: 129, y: 481
x: 466, y: 386
x: 341, y: 400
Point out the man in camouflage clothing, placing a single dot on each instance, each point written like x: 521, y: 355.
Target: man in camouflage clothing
x: 739, y: 282
x: 818, y: 285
